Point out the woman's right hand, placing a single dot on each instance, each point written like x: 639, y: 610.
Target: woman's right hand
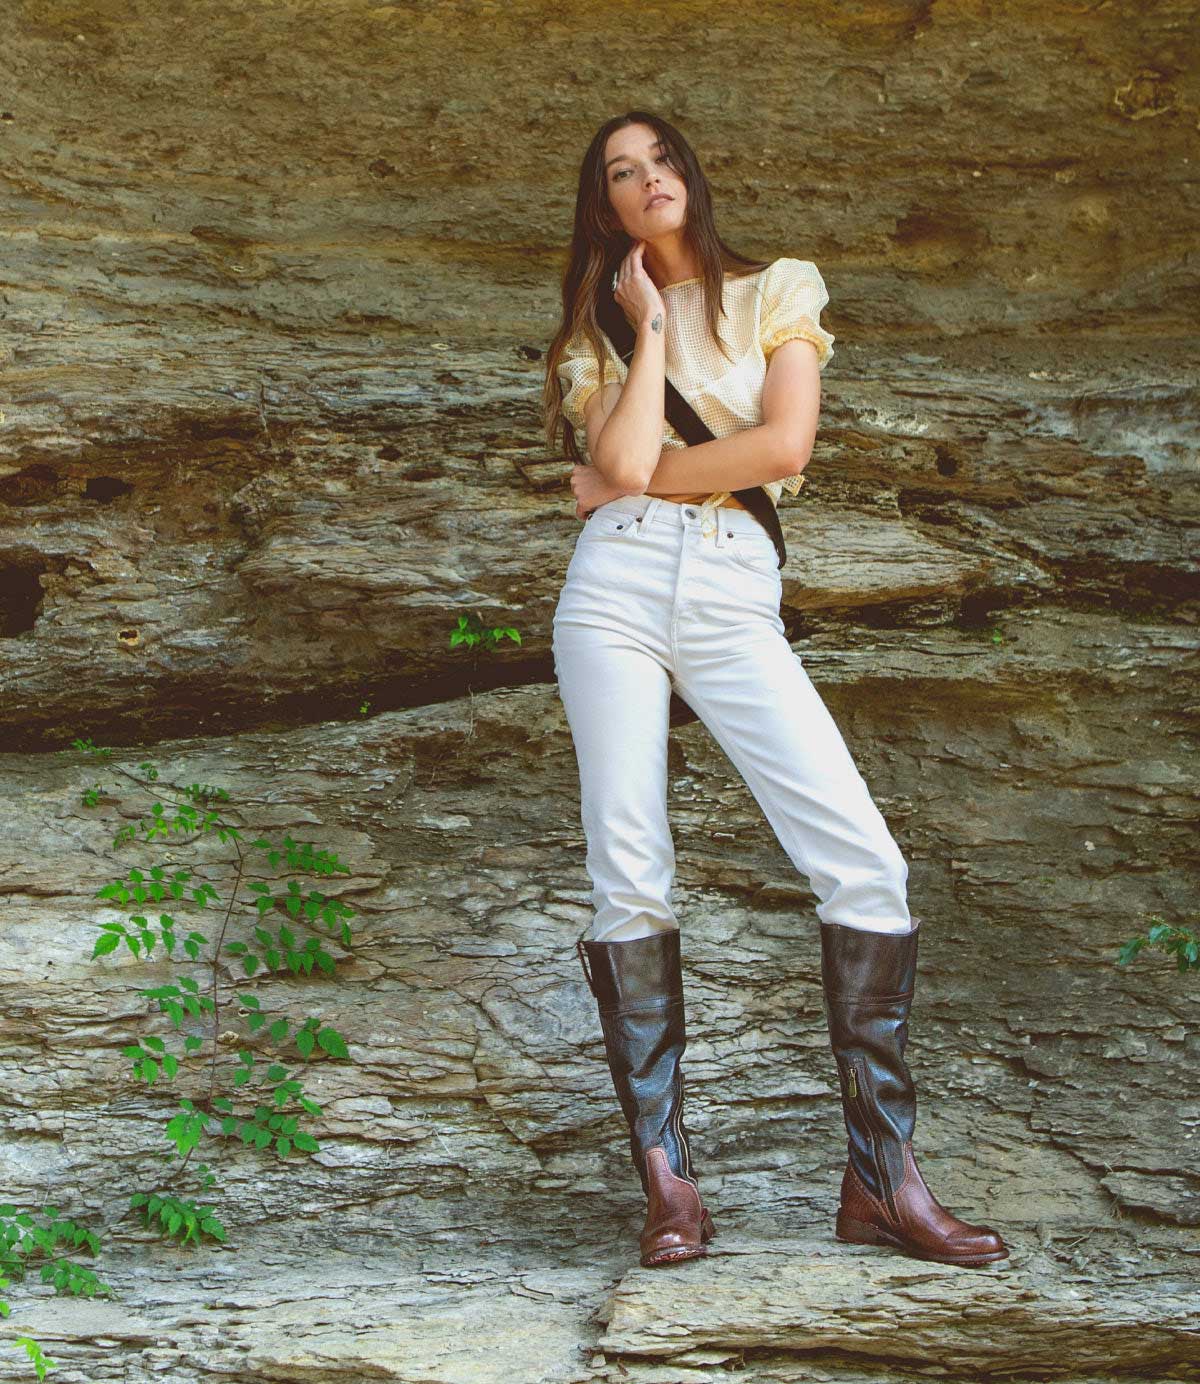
x: 636, y: 292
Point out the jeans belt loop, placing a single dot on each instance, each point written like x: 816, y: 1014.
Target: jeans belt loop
x: 642, y: 523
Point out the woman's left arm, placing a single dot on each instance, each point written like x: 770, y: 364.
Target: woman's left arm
x: 778, y: 447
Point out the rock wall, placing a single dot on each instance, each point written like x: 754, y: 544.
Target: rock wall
x: 278, y: 283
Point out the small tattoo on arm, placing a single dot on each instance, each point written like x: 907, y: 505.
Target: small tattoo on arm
x: 656, y: 324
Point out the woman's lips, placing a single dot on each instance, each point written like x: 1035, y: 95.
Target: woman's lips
x: 660, y: 200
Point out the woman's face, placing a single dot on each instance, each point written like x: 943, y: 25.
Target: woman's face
x: 636, y: 170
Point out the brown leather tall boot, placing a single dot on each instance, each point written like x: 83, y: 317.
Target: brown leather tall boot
x: 638, y: 985
x: 868, y: 980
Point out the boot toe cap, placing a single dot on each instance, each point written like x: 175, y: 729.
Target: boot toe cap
x: 979, y: 1240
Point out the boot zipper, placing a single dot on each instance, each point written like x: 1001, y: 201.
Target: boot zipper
x: 858, y: 1093
x: 679, y: 1135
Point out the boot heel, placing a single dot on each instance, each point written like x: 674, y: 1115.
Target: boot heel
x: 707, y: 1229
x: 857, y: 1232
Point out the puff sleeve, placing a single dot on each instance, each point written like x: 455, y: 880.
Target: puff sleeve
x: 793, y: 294
x: 579, y: 376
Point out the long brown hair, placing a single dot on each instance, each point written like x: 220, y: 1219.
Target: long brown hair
x: 599, y: 243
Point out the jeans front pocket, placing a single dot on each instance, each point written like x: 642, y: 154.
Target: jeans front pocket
x: 608, y: 523
x: 755, y: 552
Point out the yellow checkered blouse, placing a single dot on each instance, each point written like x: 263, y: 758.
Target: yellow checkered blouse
x: 764, y: 309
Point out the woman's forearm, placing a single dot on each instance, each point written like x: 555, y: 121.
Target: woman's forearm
x: 750, y: 456
x: 631, y: 438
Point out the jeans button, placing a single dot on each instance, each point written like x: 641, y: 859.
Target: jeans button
x: 691, y: 513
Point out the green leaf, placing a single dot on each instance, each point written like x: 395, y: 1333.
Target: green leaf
x: 333, y: 1043
x: 1128, y: 951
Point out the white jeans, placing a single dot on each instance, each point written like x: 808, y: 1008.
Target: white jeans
x: 651, y: 602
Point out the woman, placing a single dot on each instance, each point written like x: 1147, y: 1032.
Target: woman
x: 674, y: 584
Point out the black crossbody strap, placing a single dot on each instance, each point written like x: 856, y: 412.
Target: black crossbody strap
x: 685, y: 420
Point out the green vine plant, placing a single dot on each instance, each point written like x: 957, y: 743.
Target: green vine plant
x: 1179, y: 942
x: 472, y: 633
x: 23, y: 1239
x: 258, y: 1098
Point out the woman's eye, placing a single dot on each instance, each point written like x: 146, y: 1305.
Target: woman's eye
x: 662, y: 158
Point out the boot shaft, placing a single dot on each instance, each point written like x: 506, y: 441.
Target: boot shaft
x: 635, y: 974
x: 638, y: 986
x: 868, y: 980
